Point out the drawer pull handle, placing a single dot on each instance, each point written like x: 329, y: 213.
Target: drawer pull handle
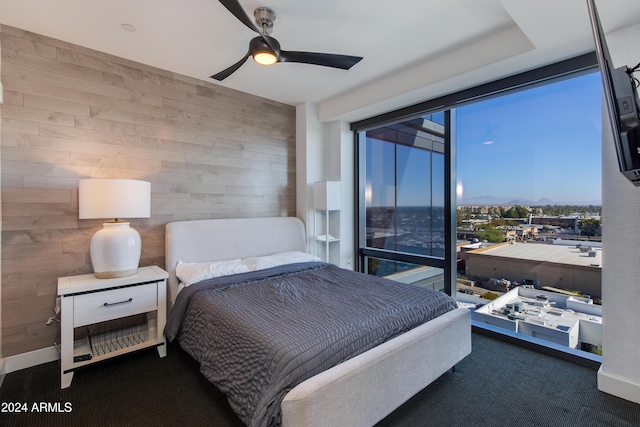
x: 108, y: 304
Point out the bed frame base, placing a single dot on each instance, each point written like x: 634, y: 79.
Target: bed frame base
x: 368, y: 387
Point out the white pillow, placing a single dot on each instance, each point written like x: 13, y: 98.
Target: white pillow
x: 267, y: 261
x: 194, y: 272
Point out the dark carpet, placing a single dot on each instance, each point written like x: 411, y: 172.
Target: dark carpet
x: 499, y: 384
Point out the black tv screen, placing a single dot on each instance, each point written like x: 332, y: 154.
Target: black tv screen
x: 621, y: 99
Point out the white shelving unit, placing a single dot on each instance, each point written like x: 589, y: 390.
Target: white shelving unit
x: 114, y: 316
x: 326, y: 195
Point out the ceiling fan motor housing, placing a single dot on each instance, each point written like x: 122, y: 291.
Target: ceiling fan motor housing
x: 258, y: 44
x: 265, y: 18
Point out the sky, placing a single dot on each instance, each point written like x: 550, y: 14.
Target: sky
x: 539, y: 143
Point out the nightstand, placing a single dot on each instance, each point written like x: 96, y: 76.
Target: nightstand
x: 103, y: 318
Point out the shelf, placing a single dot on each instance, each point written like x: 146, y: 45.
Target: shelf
x: 149, y: 343
x: 113, y: 343
x: 327, y: 226
x: 325, y: 238
x: 119, y: 340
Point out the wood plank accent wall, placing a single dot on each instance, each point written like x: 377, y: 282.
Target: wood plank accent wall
x: 71, y: 113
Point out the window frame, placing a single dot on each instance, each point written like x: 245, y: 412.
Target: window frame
x: 565, y: 69
x: 426, y: 260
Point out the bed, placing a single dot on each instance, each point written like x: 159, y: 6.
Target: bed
x: 359, y: 391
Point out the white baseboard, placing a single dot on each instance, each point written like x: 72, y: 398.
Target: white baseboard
x: 619, y: 387
x: 29, y: 359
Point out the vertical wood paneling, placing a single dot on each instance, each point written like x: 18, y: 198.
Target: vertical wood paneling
x: 72, y: 113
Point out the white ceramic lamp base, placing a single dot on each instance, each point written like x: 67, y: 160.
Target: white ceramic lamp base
x: 115, y: 250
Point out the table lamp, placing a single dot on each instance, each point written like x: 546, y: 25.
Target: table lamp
x: 326, y: 195
x: 115, y: 249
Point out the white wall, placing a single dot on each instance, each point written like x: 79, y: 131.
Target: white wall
x: 310, y: 136
x: 324, y: 152
x: 620, y: 371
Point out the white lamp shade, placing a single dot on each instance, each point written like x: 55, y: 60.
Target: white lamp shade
x: 114, y: 198
x: 326, y: 195
x: 115, y: 249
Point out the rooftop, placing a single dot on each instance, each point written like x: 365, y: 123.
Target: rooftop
x: 562, y: 319
x: 542, y: 252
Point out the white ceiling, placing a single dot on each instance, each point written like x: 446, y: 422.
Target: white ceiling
x: 413, y: 49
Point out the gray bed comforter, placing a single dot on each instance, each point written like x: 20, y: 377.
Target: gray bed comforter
x: 257, y: 335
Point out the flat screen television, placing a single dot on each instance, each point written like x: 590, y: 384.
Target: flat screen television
x: 621, y: 99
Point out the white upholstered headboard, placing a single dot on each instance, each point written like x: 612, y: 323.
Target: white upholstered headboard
x: 222, y: 239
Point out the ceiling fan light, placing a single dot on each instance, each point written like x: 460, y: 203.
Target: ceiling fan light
x: 264, y: 58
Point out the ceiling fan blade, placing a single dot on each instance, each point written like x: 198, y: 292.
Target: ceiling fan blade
x: 325, y: 59
x: 234, y: 7
x: 226, y: 73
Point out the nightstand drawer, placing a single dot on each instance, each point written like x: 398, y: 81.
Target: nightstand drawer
x: 113, y: 304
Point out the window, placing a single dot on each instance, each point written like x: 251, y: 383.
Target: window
x: 529, y: 170
x: 403, y: 169
x: 513, y: 145
x: 404, y: 188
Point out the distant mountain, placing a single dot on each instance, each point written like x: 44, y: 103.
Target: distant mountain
x: 509, y: 201
x: 541, y: 202
x: 484, y: 201
x: 544, y: 202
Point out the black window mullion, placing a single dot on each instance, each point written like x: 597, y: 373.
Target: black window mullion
x: 403, y: 257
x: 450, y: 260
x: 395, y: 198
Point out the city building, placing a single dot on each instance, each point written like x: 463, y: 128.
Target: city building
x: 576, y: 268
x: 520, y: 232
x: 566, y: 320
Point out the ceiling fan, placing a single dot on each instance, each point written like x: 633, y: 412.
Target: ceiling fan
x: 266, y: 50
